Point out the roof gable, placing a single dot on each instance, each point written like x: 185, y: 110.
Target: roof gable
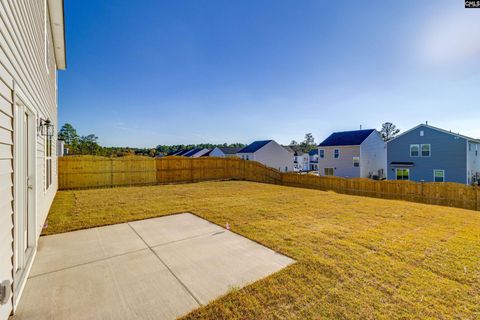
x: 346, y: 138
x: 423, y: 125
x: 255, y: 146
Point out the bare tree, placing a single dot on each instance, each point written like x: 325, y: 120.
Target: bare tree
x: 389, y: 131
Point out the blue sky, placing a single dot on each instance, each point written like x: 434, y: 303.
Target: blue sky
x: 180, y: 72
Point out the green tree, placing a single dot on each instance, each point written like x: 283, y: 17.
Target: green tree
x: 88, y: 145
x: 308, y: 143
x: 389, y: 131
x: 68, y: 134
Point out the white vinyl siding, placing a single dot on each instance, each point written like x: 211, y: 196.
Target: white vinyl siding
x: 6, y: 184
x: 23, y: 64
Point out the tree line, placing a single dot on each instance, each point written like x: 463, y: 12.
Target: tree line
x: 88, y: 145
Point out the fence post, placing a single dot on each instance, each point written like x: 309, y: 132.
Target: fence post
x: 111, y: 172
x: 477, y: 205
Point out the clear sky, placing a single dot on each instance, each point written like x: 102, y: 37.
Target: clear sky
x: 149, y: 72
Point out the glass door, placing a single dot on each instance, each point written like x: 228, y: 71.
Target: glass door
x: 24, y: 214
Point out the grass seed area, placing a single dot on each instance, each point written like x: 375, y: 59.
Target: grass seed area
x: 357, y: 257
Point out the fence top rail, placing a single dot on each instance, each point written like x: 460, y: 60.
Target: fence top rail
x: 97, y: 171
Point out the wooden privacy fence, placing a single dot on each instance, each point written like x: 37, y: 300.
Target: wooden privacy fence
x: 76, y: 172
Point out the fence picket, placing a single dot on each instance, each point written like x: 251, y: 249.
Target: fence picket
x: 76, y: 172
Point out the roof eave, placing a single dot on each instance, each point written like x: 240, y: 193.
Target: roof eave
x: 57, y: 22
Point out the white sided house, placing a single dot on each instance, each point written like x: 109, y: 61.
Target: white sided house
x: 353, y: 154
x: 269, y: 153
x: 224, y: 152
x: 300, y: 161
x: 32, y: 49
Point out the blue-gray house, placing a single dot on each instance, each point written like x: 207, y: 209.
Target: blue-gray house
x: 430, y: 154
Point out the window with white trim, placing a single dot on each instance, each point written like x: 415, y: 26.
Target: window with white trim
x: 321, y: 153
x: 439, y: 175
x: 414, y: 150
x: 356, y: 161
x: 425, y: 150
x: 403, y: 174
x: 48, y: 161
x: 336, y: 153
x: 328, y: 171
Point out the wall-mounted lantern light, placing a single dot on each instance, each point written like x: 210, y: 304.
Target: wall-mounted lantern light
x: 46, y: 128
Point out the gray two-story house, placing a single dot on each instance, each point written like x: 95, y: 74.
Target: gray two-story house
x: 430, y: 154
x: 353, y: 154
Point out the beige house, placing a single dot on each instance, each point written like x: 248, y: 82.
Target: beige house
x: 32, y: 49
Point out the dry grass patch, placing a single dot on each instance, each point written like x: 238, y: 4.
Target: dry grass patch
x: 358, y: 258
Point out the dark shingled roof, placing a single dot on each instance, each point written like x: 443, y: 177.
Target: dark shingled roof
x: 181, y: 153
x: 229, y: 150
x: 208, y: 153
x: 346, y: 138
x: 254, y: 146
x: 191, y: 152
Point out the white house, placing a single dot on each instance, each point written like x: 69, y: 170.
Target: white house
x: 270, y: 153
x: 61, y: 150
x: 353, y: 154
x: 32, y: 49
x: 300, y: 161
x: 224, y: 152
x: 313, y: 159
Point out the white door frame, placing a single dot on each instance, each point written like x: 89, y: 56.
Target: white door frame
x: 401, y: 168
x: 25, y: 199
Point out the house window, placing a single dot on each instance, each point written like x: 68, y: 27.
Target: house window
x: 336, y: 153
x: 425, y: 150
x: 321, y: 153
x: 469, y: 147
x: 403, y: 174
x: 356, y: 161
x: 286, y: 169
x: 439, y: 175
x: 328, y: 171
x: 414, y: 150
x: 422, y: 133
x: 247, y: 157
x: 48, y: 161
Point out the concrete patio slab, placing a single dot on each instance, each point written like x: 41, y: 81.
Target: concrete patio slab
x: 172, y: 228
x: 158, y: 268
x: 66, y: 250
x: 131, y: 286
x: 211, y: 265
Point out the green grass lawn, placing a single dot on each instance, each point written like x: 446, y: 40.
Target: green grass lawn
x: 358, y: 258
